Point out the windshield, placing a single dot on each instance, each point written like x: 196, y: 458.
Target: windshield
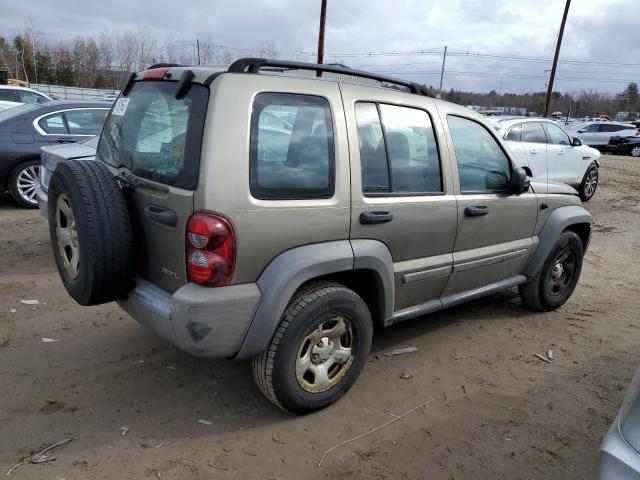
x: 155, y: 135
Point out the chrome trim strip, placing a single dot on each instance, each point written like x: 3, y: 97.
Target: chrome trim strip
x: 503, y: 257
x: 42, y: 132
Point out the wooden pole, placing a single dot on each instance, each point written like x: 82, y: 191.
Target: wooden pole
x: 323, y: 17
x: 444, y: 59
x: 555, y: 59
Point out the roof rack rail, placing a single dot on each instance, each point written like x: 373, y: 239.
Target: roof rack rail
x: 253, y: 65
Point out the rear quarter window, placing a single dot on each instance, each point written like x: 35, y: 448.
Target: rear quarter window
x: 292, y: 154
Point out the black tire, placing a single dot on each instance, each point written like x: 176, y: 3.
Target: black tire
x: 538, y: 293
x: 24, y: 194
x: 102, y: 233
x: 274, y: 370
x: 587, y: 187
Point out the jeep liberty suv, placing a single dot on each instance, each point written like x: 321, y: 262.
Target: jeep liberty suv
x: 259, y: 212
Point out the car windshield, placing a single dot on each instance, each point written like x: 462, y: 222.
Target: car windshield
x: 17, y: 111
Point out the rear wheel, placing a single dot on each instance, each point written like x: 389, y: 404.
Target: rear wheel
x: 23, y: 182
x: 589, y: 183
x: 635, y: 151
x: 318, y: 350
x: 554, y: 283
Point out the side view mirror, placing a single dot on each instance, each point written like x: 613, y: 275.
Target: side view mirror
x: 519, y: 182
x: 576, y: 142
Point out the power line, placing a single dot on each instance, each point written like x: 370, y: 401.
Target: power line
x: 498, y: 75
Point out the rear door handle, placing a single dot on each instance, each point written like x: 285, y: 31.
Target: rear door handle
x: 66, y: 140
x: 368, y: 218
x: 161, y: 215
x: 533, y: 152
x: 476, y: 211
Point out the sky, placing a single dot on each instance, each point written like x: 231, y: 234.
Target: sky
x: 502, y: 45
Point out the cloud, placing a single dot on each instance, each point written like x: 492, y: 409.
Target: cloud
x: 596, y: 32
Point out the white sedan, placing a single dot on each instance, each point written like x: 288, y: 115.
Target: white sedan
x: 547, y: 152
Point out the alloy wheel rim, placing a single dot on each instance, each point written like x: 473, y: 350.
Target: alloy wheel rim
x: 325, y: 355
x: 635, y: 152
x: 27, y: 183
x: 562, y: 273
x: 591, y: 183
x: 67, y: 234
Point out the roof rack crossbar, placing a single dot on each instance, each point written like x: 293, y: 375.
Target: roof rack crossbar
x: 253, y: 65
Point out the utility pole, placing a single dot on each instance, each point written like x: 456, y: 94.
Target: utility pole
x: 555, y: 59
x: 444, y: 59
x: 323, y: 17
x: 198, y: 48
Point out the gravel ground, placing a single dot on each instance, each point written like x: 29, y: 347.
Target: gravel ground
x: 499, y: 412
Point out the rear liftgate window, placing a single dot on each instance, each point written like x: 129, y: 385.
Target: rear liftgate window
x: 156, y: 135
x: 292, y: 149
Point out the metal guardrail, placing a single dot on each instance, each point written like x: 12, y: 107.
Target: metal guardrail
x: 76, y: 93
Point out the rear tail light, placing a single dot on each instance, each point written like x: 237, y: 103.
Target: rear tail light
x: 211, y: 250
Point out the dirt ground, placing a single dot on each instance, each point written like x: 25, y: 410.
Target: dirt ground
x: 499, y: 412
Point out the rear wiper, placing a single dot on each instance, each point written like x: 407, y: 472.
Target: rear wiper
x: 133, y: 182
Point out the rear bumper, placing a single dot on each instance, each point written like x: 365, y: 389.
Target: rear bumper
x: 205, y: 322
x: 616, y: 458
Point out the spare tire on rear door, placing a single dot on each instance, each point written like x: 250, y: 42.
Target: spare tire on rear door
x: 90, y: 232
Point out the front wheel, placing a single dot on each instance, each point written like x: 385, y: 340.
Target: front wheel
x: 318, y: 350
x: 635, y: 151
x: 554, y: 283
x: 589, y: 183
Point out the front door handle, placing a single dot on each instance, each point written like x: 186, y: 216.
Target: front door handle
x: 161, y: 215
x: 476, y: 211
x: 368, y: 218
x: 533, y: 152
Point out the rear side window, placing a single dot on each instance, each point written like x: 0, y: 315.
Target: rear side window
x: 53, y: 124
x: 533, y: 132
x: 398, y: 150
x: 515, y: 133
x: 86, y: 122
x: 292, y: 154
x: 482, y: 164
x: 156, y: 135
x: 25, y: 96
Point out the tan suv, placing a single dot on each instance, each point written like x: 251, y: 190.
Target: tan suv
x: 260, y: 212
